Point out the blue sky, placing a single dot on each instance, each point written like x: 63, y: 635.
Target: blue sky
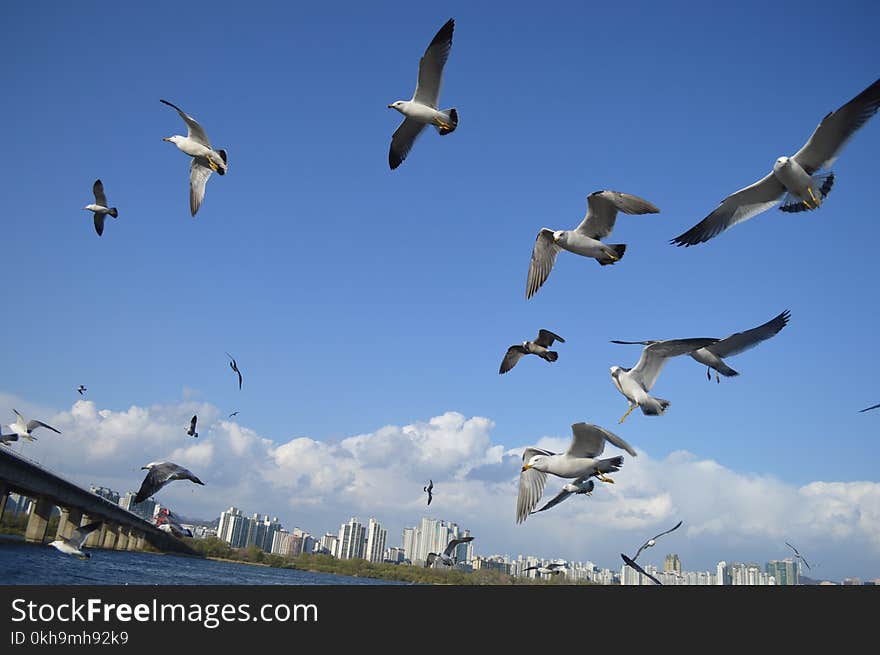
x: 354, y: 297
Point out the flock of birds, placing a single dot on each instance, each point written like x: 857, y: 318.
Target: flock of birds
x: 800, y: 182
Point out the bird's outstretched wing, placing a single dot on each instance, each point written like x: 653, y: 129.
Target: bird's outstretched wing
x: 511, y: 357
x: 431, y: 66
x: 836, y: 129
x: 531, y: 485
x: 735, y: 208
x: 588, y: 440
x: 78, y: 537
x: 602, y: 208
x: 870, y: 408
x: 194, y: 131
x: 630, y: 563
x: 543, y: 258
x: 402, y: 141
x: 742, y: 341
x: 546, y: 338
x: 553, y: 502
x: 430, y: 560
x: 451, y: 546
x: 199, y: 172
x: 32, y: 424
x: 98, y: 190
x: 654, y: 357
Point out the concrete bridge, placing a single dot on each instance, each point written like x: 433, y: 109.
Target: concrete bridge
x: 120, y: 530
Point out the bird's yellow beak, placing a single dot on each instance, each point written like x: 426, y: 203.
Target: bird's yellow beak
x: 526, y: 467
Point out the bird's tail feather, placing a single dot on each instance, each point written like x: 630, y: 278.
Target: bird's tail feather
x: 450, y: 116
x: 725, y: 370
x: 821, y: 181
x: 221, y: 170
x: 610, y: 465
x: 654, y: 406
x: 618, y: 249
x: 113, y: 212
x: 551, y: 355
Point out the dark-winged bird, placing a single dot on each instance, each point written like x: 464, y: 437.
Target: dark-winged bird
x: 159, y: 474
x: 191, y: 430
x: 428, y: 491
x: 234, y: 366
x: 540, y: 347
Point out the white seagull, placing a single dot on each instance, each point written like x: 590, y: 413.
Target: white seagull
x: 579, y: 486
x: 24, y: 428
x: 422, y: 110
x: 99, y: 207
x: 548, y: 569
x: 650, y: 543
x: 579, y: 462
x: 446, y: 557
x: 73, y: 544
x: 204, y: 158
x: 160, y: 474
x: 712, y: 355
x: 540, y: 347
x: 602, y: 208
x: 797, y: 175
x: 636, y: 382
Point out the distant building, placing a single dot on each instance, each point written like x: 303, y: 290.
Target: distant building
x: 851, y: 581
x: 672, y: 564
x: 328, y: 544
x: 432, y: 536
x: 352, y: 540
x: 490, y: 564
x: 375, y: 548
x: 394, y: 554
x: 145, y: 509
x: 233, y: 527
x: 785, y: 571
x: 722, y: 574
x: 105, y: 493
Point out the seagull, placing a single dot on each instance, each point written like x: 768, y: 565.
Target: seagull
x: 653, y: 540
x: 867, y: 409
x: 630, y: 563
x: 636, y: 382
x: 540, y: 347
x: 797, y: 175
x: 160, y: 474
x: 191, y: 431
x: 73, y: 544
x: 579, y: 461
x: 204, y: 158
x: 602, y: 208
x: 81, y: 389
x: 235, y: 413
x: 428, y: 490
x: 446, y: 557
x: 422, y: 110
x: 234, y: 367
x: 548, y: 569
x: 711, y: 355
x: 579, y: 486
x: 798, y: 555
x: 99, y: 207
x: 24, y: 428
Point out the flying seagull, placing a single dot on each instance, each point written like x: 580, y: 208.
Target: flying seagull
x: 24, y: 428
x: 428, y: 491
x: 548, y: 569
x: 579, y: 461
x: 797, y: 175
x: 579, y: 486
x: 204, y: 158
x: 540, y: 347
x: 711, y: 355
x: 867, y: 409
x: 191, y: 431
x: 235, y: 413
x: 160, y: 474
x: 234, y: 366
x: 446, y: 557
x: 630, y: 563
x: 73, y: 544
x: 81, y: 389
x: 602, y: 208
x: 636, y: 382
x: 99, y: 207
x: 798, y: 555
x: 653, y: 540
x: 422, y: 110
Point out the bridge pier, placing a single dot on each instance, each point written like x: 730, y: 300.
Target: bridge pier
x: 96, y: 538
x: 132, y: 539
x: 38, y: 521
x: 4, y: 496
x: 108, y: 536
x: 69, y: 521
x: 121, y: 538
x: 141, y: 541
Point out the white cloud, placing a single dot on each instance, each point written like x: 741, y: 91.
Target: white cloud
x: 316, y: 485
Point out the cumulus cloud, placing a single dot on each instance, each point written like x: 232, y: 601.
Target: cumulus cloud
x: 316, y: 485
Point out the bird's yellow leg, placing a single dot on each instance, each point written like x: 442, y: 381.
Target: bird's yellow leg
x: 442, y: 125
x: 212, y: 165
x: 613, y: 257
x: 604, y: 478
x: 623, y: 418
x: 813, y: 197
